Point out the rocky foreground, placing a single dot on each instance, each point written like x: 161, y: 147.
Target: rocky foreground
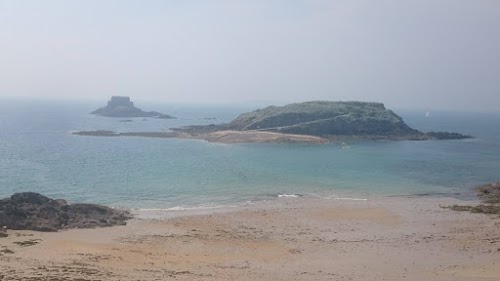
x: 292, y: 239
x: 33, y: 211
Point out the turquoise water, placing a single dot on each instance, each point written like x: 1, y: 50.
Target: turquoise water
x: 38, y: 153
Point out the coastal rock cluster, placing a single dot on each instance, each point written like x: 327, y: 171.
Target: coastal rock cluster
x: 490, y: 198
x: 489, y: 193
x: 33, y: 211
x: 123, y: 107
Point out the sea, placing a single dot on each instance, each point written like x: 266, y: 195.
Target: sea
x: 39, y: 153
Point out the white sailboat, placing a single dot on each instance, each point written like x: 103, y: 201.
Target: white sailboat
x: 427, y: 114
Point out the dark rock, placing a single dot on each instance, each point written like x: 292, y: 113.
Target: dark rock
x: 446, y: 136
x: 27, y: 243
x: 479, y: 209
x: 33, y: 211
x: 123, y: 107
x: 101, y: 133
x: 98, y: 133
x: 201, y: 129
x: 489, y: 193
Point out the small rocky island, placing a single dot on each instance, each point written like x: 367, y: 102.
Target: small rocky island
x: 313, y: 122
x: 123, y: 107
x: 33, y: 211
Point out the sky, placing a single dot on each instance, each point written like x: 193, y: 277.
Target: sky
x: 429, y: 54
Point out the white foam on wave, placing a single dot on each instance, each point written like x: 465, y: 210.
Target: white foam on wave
x: 349, y: 198
x: 334, y: 197
x: 184, y: 208
x: 331, y: 197
x: 163, y: 213
x: 288, y: 195
x: 180, y: 208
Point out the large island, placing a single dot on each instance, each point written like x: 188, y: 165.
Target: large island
x: 315, y: 121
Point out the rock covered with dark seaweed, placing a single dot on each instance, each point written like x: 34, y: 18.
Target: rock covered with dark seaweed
x: 490, y: 198
x: 33, y: 211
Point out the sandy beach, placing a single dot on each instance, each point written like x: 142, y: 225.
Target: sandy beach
x: 392, y: 238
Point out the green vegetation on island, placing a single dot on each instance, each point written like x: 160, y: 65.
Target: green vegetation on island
x: 326, y: 119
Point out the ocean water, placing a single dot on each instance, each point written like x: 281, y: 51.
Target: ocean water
x: 39, y: 153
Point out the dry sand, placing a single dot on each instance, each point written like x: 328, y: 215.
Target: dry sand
x: 257, y: 137
x: 286, y: 239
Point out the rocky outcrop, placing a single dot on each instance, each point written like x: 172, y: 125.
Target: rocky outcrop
x: 489, y: 193
x: 104, y: 133
x: 490, y: 197
x: 446, y: 136
x: 33, y: 211
x: 123, y: 107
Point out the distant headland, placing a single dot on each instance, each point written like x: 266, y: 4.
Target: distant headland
x: 120, y: 106
x: 312, y: 122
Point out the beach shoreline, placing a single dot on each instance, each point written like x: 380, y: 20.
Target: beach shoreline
x: 290, y: 238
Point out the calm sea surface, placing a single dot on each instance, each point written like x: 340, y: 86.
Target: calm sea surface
x: 38, y: 153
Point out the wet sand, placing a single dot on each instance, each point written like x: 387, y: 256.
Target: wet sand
x: 285, y: 239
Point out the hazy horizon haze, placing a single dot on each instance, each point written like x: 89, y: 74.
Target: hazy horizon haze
x: 409, y: 54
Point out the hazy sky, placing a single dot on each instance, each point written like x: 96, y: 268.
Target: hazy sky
x: 407, y: 53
